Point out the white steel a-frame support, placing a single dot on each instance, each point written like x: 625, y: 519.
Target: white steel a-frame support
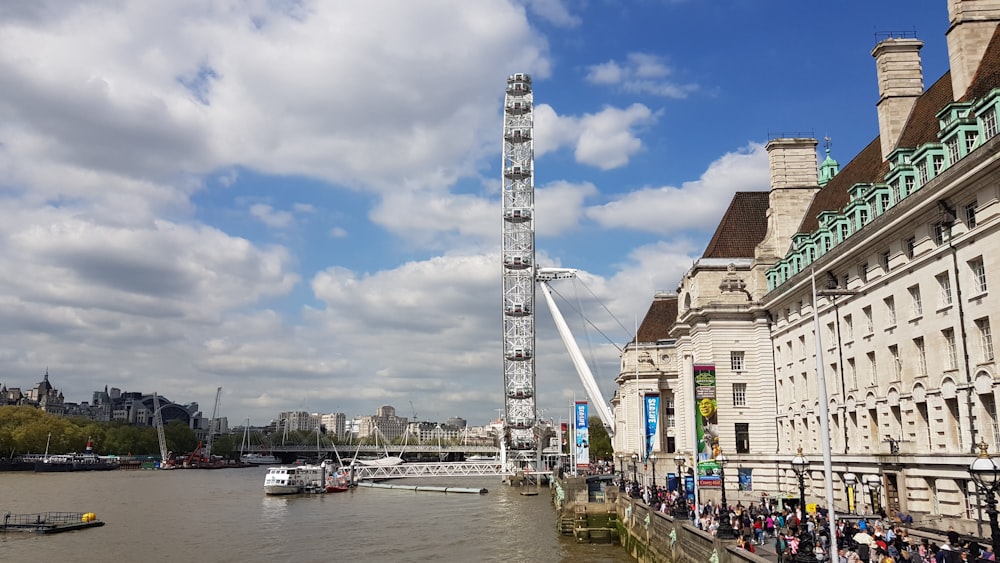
x: 582, y: 369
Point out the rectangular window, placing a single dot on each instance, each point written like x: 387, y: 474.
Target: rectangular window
x: 883, y: 260
x: 944, y: 287
x: 897, y: 364
x: 938, y: 163
x: 831, y: 335
x: 990, y: 123
x: 922, y: 172
x: 978, y: 274
x: 970, y: 140
x: 890, y: 311
x: 863, y: 272
x: 949, y: 343
x: 844, y: 232
x: 739, y: 394
x: 668, y: 407
x: 970, y: 214
x: 990, y: 406
x: 849, y: 327
x: 909, y: 246
x: 736, y: 360
x: 863, y: 216
x: 951, y: 146
x: 918, y: 347
x: 942, y: 233
x: 884, y: 198
x: 852, y: 372
x: 908, y: 185
x: 985, y: 338
x: 742, y: 438
x: 872, y: 368
x: 916, y: 306
x: 869, y: 325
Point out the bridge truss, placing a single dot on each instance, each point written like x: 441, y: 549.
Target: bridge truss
x: 453, y: 469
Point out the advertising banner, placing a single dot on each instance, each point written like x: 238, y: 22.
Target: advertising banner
x: 652, y: 403
x: 746, y: 479
x: 582, y: 436
x: 706, y: 425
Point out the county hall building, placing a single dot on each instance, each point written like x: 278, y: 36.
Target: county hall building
x: 903, y: 242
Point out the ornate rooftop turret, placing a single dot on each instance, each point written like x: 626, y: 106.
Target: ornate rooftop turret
x: 829, y: 168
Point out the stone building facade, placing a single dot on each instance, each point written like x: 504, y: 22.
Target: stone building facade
x: 902, y: 244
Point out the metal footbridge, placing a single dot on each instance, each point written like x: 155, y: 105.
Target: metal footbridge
x: 439, y: 469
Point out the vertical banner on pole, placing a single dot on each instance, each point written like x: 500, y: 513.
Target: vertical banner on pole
x: 582, y: 436
x: 652, y: 403
x: 706, y: 425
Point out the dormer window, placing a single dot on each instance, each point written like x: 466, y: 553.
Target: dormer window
x: 970, y: 140
x: 952, y: 147
x: 990, y: 123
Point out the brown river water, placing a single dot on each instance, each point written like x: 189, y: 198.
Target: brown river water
x: 223, y: 515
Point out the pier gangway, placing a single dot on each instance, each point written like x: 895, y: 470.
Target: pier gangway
x: 439, y: 469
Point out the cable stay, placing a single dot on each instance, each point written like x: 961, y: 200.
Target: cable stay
x: 543, y: 277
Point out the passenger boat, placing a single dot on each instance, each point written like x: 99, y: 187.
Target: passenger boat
x: 294, y: 479
x: 17, y: 464
x: 87, y: 461
x: 338, y: 482
x: 259, y: 459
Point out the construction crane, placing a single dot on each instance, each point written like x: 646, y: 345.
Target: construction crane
x: 211, y: 426
x: 160, y: 436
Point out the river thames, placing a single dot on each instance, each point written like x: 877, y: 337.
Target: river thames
x: 223, y: 515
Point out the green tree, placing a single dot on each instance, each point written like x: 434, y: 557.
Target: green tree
x: 600, y: 442
x: 225, y: 446
x: 179, y: 437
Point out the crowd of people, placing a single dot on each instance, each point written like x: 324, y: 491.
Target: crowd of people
x: 861, y: 540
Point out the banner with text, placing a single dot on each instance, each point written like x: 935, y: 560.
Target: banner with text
x: 652, y: 417
x: 582, y: 436
x: 706, y: 425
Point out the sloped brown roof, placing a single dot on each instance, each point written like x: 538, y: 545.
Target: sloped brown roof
x: 835, y: 195
x: 868, y: 167
x: 921, y: 127
x: 988, y: 74
x: 659, y: 319
x: 922, y: 124
x: 742, y: 227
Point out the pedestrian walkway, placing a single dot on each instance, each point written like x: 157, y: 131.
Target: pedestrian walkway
x: 766, y: 551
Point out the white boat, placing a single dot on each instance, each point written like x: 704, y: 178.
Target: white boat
x: 295, y: 479
x: 259, y: 459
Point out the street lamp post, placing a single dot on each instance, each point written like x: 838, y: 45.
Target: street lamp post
x: 652, y: 459
x: 635, y: 463
x: 679, y: 460
x: 800, y: 464
x: 621, y: 471
x: 874, y: 483
x: 725, y: 531
x: 986, y: 474
x: 681, y: 506
x: 850, y: 480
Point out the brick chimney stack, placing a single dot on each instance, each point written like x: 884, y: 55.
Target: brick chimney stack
x: 900, y: 83
x: 972, y: 26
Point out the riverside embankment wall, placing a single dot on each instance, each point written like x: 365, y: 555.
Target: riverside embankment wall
x: 653, y: 537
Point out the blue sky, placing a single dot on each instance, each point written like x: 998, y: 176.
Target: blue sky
x: 298, y: 200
